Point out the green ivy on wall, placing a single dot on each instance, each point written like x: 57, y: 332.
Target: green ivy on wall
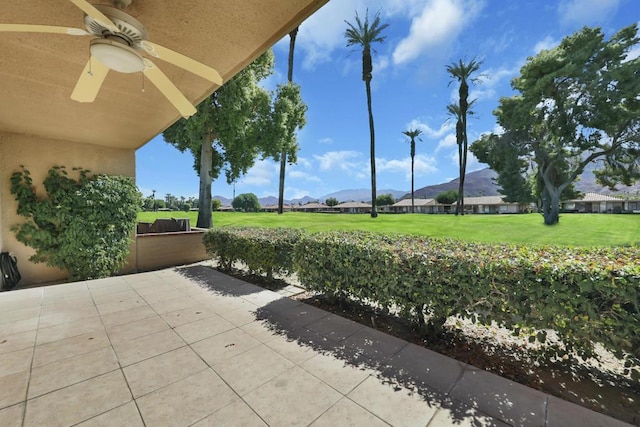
x: 83, y: 226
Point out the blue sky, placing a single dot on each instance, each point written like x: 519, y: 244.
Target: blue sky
x: 410, y: 89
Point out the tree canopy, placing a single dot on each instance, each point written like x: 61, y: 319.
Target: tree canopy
x: 331, y: 201
x: 576, y: 104
x: 230, y: 129
x: 385, y: 199
x: 288, y: 116
x: 246, y: 202
x: 447, y: 197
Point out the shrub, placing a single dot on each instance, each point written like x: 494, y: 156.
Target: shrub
x: 263, y: 250
x: 447, y: 197
x: 585, y: 295
x: 385, y: 199
x: 84, y: 226
x: 246, y: 202
x: 331, y: 201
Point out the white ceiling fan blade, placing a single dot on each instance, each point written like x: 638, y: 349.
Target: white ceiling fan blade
x: 169, y: 90
x: 90, y: 10
x: 51, y: 29
x: 90, y: 81
x: 182, y: 61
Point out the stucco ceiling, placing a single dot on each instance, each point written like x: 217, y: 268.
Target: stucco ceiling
x: 39, y: 71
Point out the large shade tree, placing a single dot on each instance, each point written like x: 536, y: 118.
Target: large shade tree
x: 365, y: 34
x: 462, y: 72
x: 413, y: 134
x: 229, y: 131
x: 288, y: 116
x: 576, y: 104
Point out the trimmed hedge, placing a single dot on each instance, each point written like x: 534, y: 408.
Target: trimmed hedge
x: 586, y: 295
x: 263, y: 250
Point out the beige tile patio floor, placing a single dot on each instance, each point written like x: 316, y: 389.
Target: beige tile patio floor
x: 191, y: 346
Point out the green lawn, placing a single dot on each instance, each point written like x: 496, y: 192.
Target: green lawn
x: 573, y: 229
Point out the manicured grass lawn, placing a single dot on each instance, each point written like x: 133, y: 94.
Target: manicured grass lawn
x: 573, y: 229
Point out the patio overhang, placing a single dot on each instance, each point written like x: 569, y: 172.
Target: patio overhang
x: 41, y: 126
x: 39, y: 71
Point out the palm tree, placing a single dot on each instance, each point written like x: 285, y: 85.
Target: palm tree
x: 283, y: 157
x: 462, y: 72
x: 153, y: 196
x: 413, y: 134
x: 365, y: 34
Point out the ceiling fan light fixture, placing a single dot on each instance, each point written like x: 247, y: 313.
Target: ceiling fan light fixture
x: 117, y: 56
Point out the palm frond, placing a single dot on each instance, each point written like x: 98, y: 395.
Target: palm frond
x: 454, y: 110
x: 364, y: 33
x: 413, y: 133
x: 462, y: 71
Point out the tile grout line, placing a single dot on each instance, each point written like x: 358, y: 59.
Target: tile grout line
x: 33, y: 355
x: 225, y: 381
x: 119, y: 364
x: 546, y: 410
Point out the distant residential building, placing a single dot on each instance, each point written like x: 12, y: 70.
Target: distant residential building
x: 492, y: 205
x: 421, y: 206
x: 315, y: 207
x: 274, y: 208
x: 595, y: 203
x: 354, y: 207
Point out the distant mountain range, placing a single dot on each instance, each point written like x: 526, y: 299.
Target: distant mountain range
x: 356, y: 195
x: 478, y: 183
x: 360, y: 195
x: 481, y: 183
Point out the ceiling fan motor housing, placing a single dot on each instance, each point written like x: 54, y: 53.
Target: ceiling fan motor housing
x: 129, y: 28
x: 117, y: 50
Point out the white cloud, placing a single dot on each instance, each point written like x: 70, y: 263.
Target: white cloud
x: 447, y: 141
x: 545, y: 44
x: 435, y: 27
x: 294, y: 174
x: 262, y: 174
x: 341, y: 160
x: 323, y: 32
x: 586, y: 12
x: 428, y: 131
x: 472, y: 163
x: 381, y: 64
x: 326, y: 140
x: 492, y: 77
x: 423, y: 165
x: 294, y: 193
x: 478, y: 94
x: 304, y: 162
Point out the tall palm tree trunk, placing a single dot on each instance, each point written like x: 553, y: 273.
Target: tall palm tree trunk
x: 413, y: 206
x: 292, y: 45
x: 460, y: 140
x: 283, y: 156
x: 374, y: 211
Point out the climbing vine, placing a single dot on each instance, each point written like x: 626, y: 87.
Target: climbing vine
x: 84, y: 224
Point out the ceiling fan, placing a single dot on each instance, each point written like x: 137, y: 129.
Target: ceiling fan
x: 119, y: 39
